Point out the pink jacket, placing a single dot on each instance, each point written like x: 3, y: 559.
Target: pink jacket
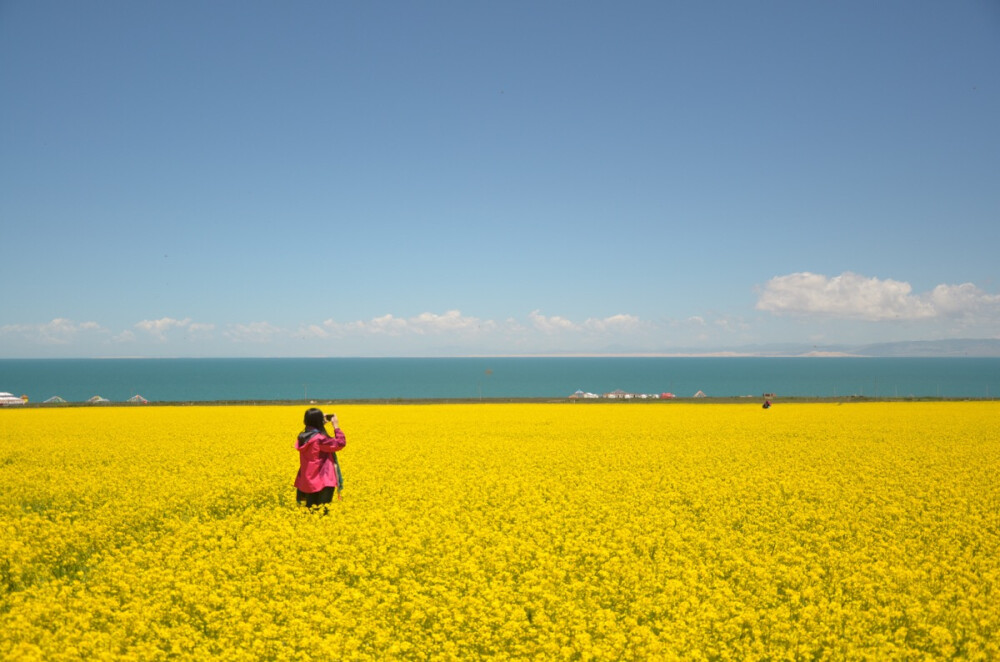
x: 316, y: 468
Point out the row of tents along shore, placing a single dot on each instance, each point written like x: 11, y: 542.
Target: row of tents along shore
x: 6, y: 399
x: 624, y: 395
x: 135, y: 399
x: 56, y: 400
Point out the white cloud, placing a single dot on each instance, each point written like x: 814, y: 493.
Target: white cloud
x: 448, y: 332
x: 853, y: 296
x: 384, y: 325
x: 158, y: 328
x: 312, y: 331
x: 254, y: 332
x: 616, y: 323
x: 554, y: 324
x: 60, y: 331
x: 620, y: 323
x: 961, y: 300
x: 731, y: 324
x: 511, y: 325
x: 387, y: 324
x: 451, y: 321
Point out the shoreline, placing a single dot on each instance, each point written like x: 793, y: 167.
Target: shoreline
x: 708, y: 400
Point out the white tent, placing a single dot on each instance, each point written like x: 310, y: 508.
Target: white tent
x: 11, y: 399
x: 138, y: 399
x: 55, y: 399
x: 98, y: 400
x: 700, y: 394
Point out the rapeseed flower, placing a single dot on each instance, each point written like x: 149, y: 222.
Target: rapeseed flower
x: 594, y: 531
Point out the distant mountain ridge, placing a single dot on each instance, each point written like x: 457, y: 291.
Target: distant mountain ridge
x: 986, y: 347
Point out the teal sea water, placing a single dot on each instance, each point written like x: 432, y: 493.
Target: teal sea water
x: 172, y: 380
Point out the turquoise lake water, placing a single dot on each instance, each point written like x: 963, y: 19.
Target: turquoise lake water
x: 361, y: 378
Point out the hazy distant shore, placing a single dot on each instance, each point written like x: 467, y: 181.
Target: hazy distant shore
x: 708, y: 400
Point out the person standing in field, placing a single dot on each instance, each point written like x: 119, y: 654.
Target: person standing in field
x: 319, y: 474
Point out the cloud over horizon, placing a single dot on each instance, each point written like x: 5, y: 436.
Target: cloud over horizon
x: 450, y: 331
x: 853, y: 296
x: 254, y: 332
x: 824, y: 308
x: 59, y: 331
x: 451, y: 321
x: 158, y: 329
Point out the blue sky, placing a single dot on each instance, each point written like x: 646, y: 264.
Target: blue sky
x: 453, y: 178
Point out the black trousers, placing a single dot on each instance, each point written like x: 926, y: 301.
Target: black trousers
x: 310, y: 499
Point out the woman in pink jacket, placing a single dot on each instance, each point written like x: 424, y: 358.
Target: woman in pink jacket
x: 319, y: 472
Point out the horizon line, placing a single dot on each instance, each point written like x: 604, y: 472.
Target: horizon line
x: 549, y: 355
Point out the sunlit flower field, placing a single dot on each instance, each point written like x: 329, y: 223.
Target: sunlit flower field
x: 509, y: 531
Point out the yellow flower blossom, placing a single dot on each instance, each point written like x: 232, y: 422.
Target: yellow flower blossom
x: 589, y: 531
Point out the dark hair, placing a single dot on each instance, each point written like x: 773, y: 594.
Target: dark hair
x: 314, y: 419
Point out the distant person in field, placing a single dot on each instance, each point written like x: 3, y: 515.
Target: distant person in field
x: 319, y: 474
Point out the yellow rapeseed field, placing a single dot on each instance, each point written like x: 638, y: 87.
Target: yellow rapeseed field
x: 511, y: 531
